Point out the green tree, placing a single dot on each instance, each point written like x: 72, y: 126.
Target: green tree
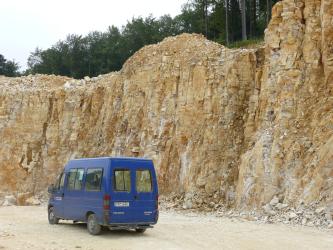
x: 243, y: 11
x: 226, y: 27
x: 8, y: 67
x: 102, y: 52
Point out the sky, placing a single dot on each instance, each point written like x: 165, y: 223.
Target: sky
x: 27, y: 24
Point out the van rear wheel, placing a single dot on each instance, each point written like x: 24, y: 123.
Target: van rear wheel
x: 140, y: 230
x: 51, y: 216
x: 92, y: 225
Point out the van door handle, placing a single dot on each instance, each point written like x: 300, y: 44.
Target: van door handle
x: 135, y: 197
x: 62, y: 195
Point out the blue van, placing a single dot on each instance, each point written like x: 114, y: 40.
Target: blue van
x: 113, y: 192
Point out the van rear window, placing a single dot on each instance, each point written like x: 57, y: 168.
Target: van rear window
x: 94, y: 179
x: 122, y: 180
x: 143, y: 181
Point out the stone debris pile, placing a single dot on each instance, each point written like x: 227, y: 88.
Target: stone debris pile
x: 311, y: 215
x: 22, y: 199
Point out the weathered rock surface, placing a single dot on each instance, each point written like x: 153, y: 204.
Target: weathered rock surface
x: 234, y: 127
x: 9, y: 200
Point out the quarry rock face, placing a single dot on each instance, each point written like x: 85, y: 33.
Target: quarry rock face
x: 291, y: 153
x: 239, y: 127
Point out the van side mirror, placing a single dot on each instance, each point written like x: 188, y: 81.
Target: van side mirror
x: 51, y: 189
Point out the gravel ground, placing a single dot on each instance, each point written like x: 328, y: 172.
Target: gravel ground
x: 27, y: 228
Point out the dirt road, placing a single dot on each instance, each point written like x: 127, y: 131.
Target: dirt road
x: 27, y: 228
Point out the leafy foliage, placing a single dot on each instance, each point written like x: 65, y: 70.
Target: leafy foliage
x: 7, y: 67
x: 102, y: 52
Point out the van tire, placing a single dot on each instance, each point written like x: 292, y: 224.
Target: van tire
x: 92, y: 225
x: 140, y: 230
x: 52, y: 218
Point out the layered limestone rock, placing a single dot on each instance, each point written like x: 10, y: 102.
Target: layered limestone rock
x: 292, y: 147
x: 182, y: 102
x: 235, y: 126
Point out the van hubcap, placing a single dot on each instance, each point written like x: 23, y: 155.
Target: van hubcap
x: 92, y: 224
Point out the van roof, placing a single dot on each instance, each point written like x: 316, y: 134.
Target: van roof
x: 113, y: 158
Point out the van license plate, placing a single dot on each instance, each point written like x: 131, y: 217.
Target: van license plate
x: 121, y: 204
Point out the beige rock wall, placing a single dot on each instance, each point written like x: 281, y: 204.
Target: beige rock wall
x: 292, y: 147
x: 239, y: 126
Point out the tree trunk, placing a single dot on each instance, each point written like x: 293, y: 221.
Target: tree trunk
x: 253, y: 17
x: 206, y: 17
x: 244, y: 37
x: 226, y: 22
x: 268, y: 11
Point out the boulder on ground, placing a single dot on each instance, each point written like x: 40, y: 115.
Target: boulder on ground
x: 9, y: 200
x: 280, y: 206
x: 22, y: 197
x: 33, y: 201
x: 274, y: 201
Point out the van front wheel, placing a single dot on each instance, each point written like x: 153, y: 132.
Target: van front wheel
x: 51, y: 216
x: 92, y: 225
x: 140, y: 230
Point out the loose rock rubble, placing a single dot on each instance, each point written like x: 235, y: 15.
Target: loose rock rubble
x: 311, y: 215
x: 230, y: 129
x: 9, y: 200
x: 23, y: 199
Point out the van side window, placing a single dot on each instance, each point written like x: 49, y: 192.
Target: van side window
x: 75, y: 177
x: 143, y: 181
x: 94, y: 179
x: 122, y: 180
